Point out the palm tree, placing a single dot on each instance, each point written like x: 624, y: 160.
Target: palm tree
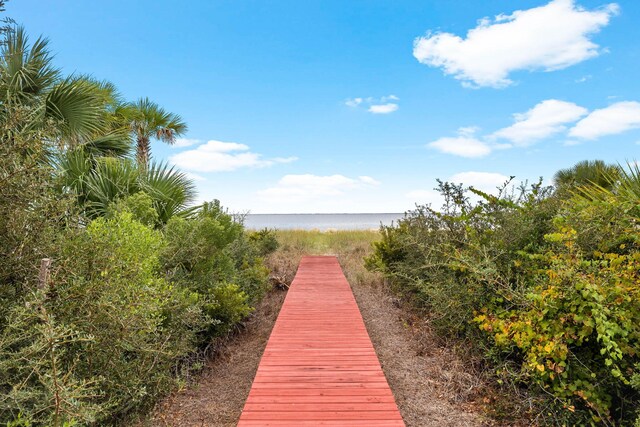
x: 30, y: 85
x: 70, y: 112
x: 148, y: 120
x: 625, y: 188
x: 83, y: 121
x: 587, y: 173
x: 99, y: 182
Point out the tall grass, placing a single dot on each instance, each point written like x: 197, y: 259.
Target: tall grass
x: 349, y: 246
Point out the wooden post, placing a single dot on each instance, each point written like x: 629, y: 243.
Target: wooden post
x: 43, y: 277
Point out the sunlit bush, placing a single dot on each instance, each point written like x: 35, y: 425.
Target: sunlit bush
x: 210, y: 256
x: 106, y: 332
x: 547, y: 288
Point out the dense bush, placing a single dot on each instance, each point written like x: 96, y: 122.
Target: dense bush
x: 122, y: 326
x: 105, y: 336
x: 211, y: 256
x: 31, y: 211
x: 545, y: 284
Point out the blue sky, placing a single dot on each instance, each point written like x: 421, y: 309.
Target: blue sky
x: 358, y: 106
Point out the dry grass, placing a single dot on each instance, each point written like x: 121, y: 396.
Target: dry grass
x: 350, y: 246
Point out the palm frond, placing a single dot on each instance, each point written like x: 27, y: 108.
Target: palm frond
x: 111, y: 180
x: 73, y: 167
x: 115, y: 143
x: 172, y: 191
x: 26, y: 71
x: 148, y: 120
x: 77, y: 109
x: 587, y: 173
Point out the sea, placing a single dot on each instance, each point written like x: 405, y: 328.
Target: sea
x: 321, y: 221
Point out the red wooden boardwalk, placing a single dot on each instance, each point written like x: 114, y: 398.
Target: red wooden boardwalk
x: 319, y: 367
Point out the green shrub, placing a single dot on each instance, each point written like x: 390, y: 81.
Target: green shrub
x: 210, y: 256
x: 265, y: 241
x: 230, y: 305
x: 37, y: 382
x: 140, y: 205
x: 547, y: 287
x: 31, y: 212
x: 122, y: 326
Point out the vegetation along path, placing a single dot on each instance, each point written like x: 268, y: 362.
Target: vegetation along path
x: 319, y: 366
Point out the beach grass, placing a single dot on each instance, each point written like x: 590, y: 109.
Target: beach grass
x: 349, y: 246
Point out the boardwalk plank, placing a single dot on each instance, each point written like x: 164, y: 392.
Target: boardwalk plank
x: 319, y: 367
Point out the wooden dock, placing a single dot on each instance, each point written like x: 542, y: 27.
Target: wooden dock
x: 319, y: 367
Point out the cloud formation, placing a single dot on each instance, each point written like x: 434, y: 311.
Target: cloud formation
x: 550, y: 37
x: 545, y: 119
x: 384, y: 105
x: 185, y: 142
x: 614, y: 119
x: 383, y: 108
x: 308, y: 186
x: 463, y: 145
x: 219, y: 156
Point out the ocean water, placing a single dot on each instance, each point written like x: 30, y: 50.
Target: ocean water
x: 322, y: 222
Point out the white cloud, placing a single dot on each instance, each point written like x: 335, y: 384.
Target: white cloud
x: 368, y: 180
x: 383, y: 108
x: 383, y: 105
x: 549, y: 37
x: 308, y: 187
x: 353, y: 102
x: 614, y: 119
x: 219, y: 156
x: 545, y: 119
x: 584, y: 78
x: 194, y: 176
x: 389, y: 98
x: 185, y: 142
x: 484, y: 181
x: 464, y: 145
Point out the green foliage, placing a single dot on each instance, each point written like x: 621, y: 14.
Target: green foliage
x: 265, y: 241
x: 31, y: 213
x: 139, y: 205
x: 211, y: 250
x: 546, y: 286
x: 128, y: 301
x: 99, y: 182
x: 585, y: 174
x: 230, y: 305
x: 635, y: 383
x: 117, y: 328
x: 35, y: 354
